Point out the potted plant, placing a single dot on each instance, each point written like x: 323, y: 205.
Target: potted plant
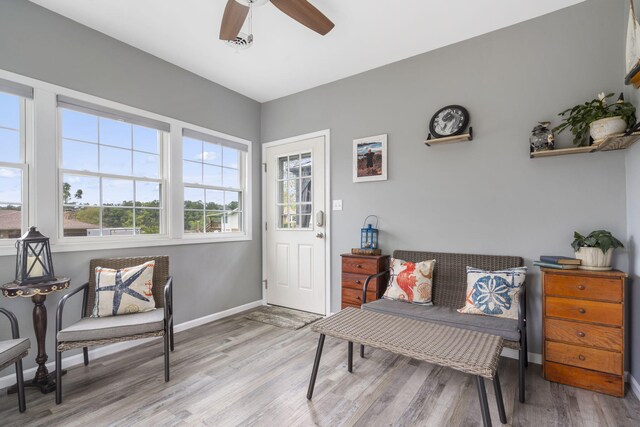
x: 595, y: 250
x: 598, y: 117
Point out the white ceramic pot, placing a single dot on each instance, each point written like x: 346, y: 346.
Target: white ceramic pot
x: 594, y: 258
x: 606, y: 127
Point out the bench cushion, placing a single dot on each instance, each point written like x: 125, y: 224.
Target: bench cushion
x: 10, y: 350
x: 99, y: 328
x: 505, y: 328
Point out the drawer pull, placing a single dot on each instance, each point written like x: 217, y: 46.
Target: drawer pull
x: 358, y: 282
x: 581, y: 334
x: 358, y: 265
x: 581, y: 287
x: 582, y: 311
x: 581, y: 357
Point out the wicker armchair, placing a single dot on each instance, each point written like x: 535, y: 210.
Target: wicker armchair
x: 90, y: 331
x: 12, y: 352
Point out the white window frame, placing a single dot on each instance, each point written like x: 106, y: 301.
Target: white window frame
x: 244, y: 182
x: 44, y: 187
x: 26, y: 141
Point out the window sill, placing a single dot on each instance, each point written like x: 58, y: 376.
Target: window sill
x: 107, y: 243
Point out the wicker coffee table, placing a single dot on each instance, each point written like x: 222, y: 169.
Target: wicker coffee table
x: 472, y: 352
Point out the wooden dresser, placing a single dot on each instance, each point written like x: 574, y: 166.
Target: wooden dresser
x: 583, y: 329
x: 355, y: 270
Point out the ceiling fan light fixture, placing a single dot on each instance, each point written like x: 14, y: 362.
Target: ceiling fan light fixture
x: 253, y: 3
x: 241, y: 42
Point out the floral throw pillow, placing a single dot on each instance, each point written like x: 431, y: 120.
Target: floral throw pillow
x: 494, y: 293
x: 410, y: 282
x: 124, y: 291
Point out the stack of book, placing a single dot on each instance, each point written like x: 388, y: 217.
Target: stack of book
x: 358, y: 251
x: 559, y: 262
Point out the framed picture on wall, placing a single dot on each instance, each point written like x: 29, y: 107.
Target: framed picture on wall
x: 370, y: 159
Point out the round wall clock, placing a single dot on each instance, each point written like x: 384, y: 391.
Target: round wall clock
x: 448, y: 121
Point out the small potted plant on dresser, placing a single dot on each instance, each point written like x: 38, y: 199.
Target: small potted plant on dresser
x: 595, y: 250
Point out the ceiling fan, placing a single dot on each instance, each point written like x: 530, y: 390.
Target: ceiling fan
x: 236, y: 11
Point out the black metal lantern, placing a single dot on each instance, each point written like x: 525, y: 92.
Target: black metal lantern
x: 33, y: 263
x: 369, y: 234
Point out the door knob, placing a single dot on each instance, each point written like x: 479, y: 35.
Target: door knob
x: 320, y: 235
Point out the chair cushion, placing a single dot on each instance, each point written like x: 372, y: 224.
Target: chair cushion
x: 124, y: 291
x: 10, y: 350
x: 100, y: 328
x: 506, y: 328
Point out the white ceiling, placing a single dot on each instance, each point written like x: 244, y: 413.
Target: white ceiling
x: 286, y: 57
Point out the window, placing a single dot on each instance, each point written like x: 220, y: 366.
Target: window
x: 294, y: 191
x: 112, y: 177
x: 13, y: 167
x: 214, y: 184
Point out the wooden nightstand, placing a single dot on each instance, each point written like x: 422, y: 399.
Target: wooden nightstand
x: 583, y: 329
x: 355, y: 270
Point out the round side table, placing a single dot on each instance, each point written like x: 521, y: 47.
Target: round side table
x: 38, y: 293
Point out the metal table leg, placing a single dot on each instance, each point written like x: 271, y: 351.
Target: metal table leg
x: 484, y: 405
x: 316, y: 363
x: 350, y: 363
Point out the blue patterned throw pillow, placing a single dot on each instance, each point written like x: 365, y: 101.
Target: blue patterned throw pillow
x: 494, y: 293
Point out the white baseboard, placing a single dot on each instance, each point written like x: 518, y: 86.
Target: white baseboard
x: 635, y: 387
x: 77, y: 359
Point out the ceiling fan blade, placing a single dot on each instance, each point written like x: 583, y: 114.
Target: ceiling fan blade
x: 232, y: 20
x: 306, y: 14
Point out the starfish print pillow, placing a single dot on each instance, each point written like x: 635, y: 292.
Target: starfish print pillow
x: 410, y: 281
x: 494, y: 293
x: 124, y: 291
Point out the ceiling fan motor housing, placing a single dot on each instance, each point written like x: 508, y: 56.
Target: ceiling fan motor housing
x: 241, y: 42
x: 253, y: 3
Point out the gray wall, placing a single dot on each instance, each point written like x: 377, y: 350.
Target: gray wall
x: 633, y: 227
x: 484, y: 196
x: 38, y: 43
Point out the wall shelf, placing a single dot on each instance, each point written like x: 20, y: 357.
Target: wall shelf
x: 448, y: 139
x: 614, y: 142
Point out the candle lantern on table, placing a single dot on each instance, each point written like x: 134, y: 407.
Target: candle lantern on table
x: 35, y: 279
x: 33, y: 261
x: 369, y: 234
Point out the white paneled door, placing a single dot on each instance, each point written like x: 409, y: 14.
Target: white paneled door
x: 295, y: 225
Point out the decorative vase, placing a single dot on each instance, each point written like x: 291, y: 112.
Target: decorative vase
x: 594, y: 259
x: 603, y: 128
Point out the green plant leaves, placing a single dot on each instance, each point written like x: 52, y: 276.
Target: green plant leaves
x: 601, y: 239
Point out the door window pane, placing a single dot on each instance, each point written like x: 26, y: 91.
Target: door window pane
x: 294, y: 196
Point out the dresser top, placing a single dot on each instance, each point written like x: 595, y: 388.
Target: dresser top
x: 578, y: 272
x: 364, y: 256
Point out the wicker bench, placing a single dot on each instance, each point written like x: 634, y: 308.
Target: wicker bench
x: 464, y: 350
x: 449, y: 294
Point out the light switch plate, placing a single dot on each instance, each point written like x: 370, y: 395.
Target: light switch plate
x: 337, y: 205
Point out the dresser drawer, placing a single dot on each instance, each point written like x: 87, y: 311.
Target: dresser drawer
x: 605, y: 337
x: 584, y: 378
x: 356, y: 281
x: 595, y: 288
x: 360, y: 265
x: 605, y: 313
x: 584, y: 357
x: 353, y: 297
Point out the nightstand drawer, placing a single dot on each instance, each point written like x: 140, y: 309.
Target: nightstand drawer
x: 353, y: 297
x: 360, y: 265
x: 356, y: 281
x: 605, y: 337
x: 584, y: 357
x: 596, y: 288
x: 605, y: 313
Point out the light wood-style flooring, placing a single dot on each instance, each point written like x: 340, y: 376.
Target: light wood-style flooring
x: 240, y: 372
